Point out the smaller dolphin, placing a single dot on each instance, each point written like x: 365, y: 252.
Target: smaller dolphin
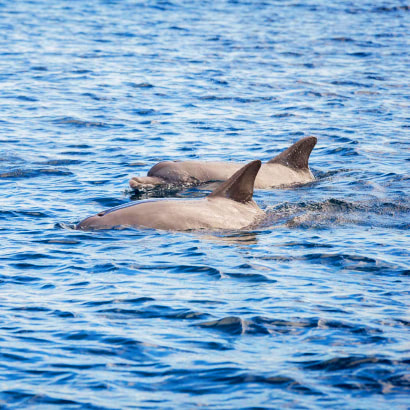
x: 288, y: 168
x: 230, y: 206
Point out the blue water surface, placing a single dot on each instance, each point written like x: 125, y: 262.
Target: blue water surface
x: 308, y: 310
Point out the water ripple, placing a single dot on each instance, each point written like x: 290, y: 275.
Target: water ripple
x: 306, y: 310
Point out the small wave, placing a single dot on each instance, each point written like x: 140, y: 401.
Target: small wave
x: 20, y: 279
x: 79, y: 123
x: 133, y: 301
x: 360, y: 372
x: 154, y: 311
x: 196, y: 269
x: 84, y: 123
x: 22, y: 398
x: 360, y: 54
x: 283, y: 115
x: 162, y: 191
x: 343, y: 151
x: 27, y: 98
x: 343, y: 39
x: 95, y: 97
x: 39, y: 68
x: 144, y: 111
x: 140, y: 85
x: 391, y: 9
x: 337, y: 212
x: 203, y: 381
x: 343, y: 363
x: 85, y: 146
x: 213, y: 98
x: 350, y: 83
x: 17, y: 213
x: 10, y: 157
x: 260, y: 325
x: 60, y: 162
x: 108, y: 202
x: 234, y: 326
x: 32, y: 173
x: 60, y: 241
x: 357, y: 263
x: 126, y: 34
x: 251, y: 277
x: 81, y: 71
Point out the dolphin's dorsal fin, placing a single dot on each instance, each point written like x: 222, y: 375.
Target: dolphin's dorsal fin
x: 239, y: 187
x: 297, y: 155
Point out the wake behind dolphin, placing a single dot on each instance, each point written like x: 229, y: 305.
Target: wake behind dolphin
x: 288, y: 168
x: 230, y: 206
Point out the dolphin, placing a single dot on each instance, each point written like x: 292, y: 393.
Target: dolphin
x: 288, y: 168
x: 229, y: 206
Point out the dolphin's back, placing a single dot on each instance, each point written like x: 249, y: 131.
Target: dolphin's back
x: 230, y: 206
x: 194, y: 171
x: 288, y: 168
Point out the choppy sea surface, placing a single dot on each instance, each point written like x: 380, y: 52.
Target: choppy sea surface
x: 308, y: 310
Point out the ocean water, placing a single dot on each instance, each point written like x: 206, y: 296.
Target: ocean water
x: 308, y: 310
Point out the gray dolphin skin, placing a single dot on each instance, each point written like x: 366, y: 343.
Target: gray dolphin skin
x: 230, y: 206
x: 288, y: 168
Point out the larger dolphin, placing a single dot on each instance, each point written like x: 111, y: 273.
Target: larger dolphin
x: 288, y: 168
x: 230, y: 206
